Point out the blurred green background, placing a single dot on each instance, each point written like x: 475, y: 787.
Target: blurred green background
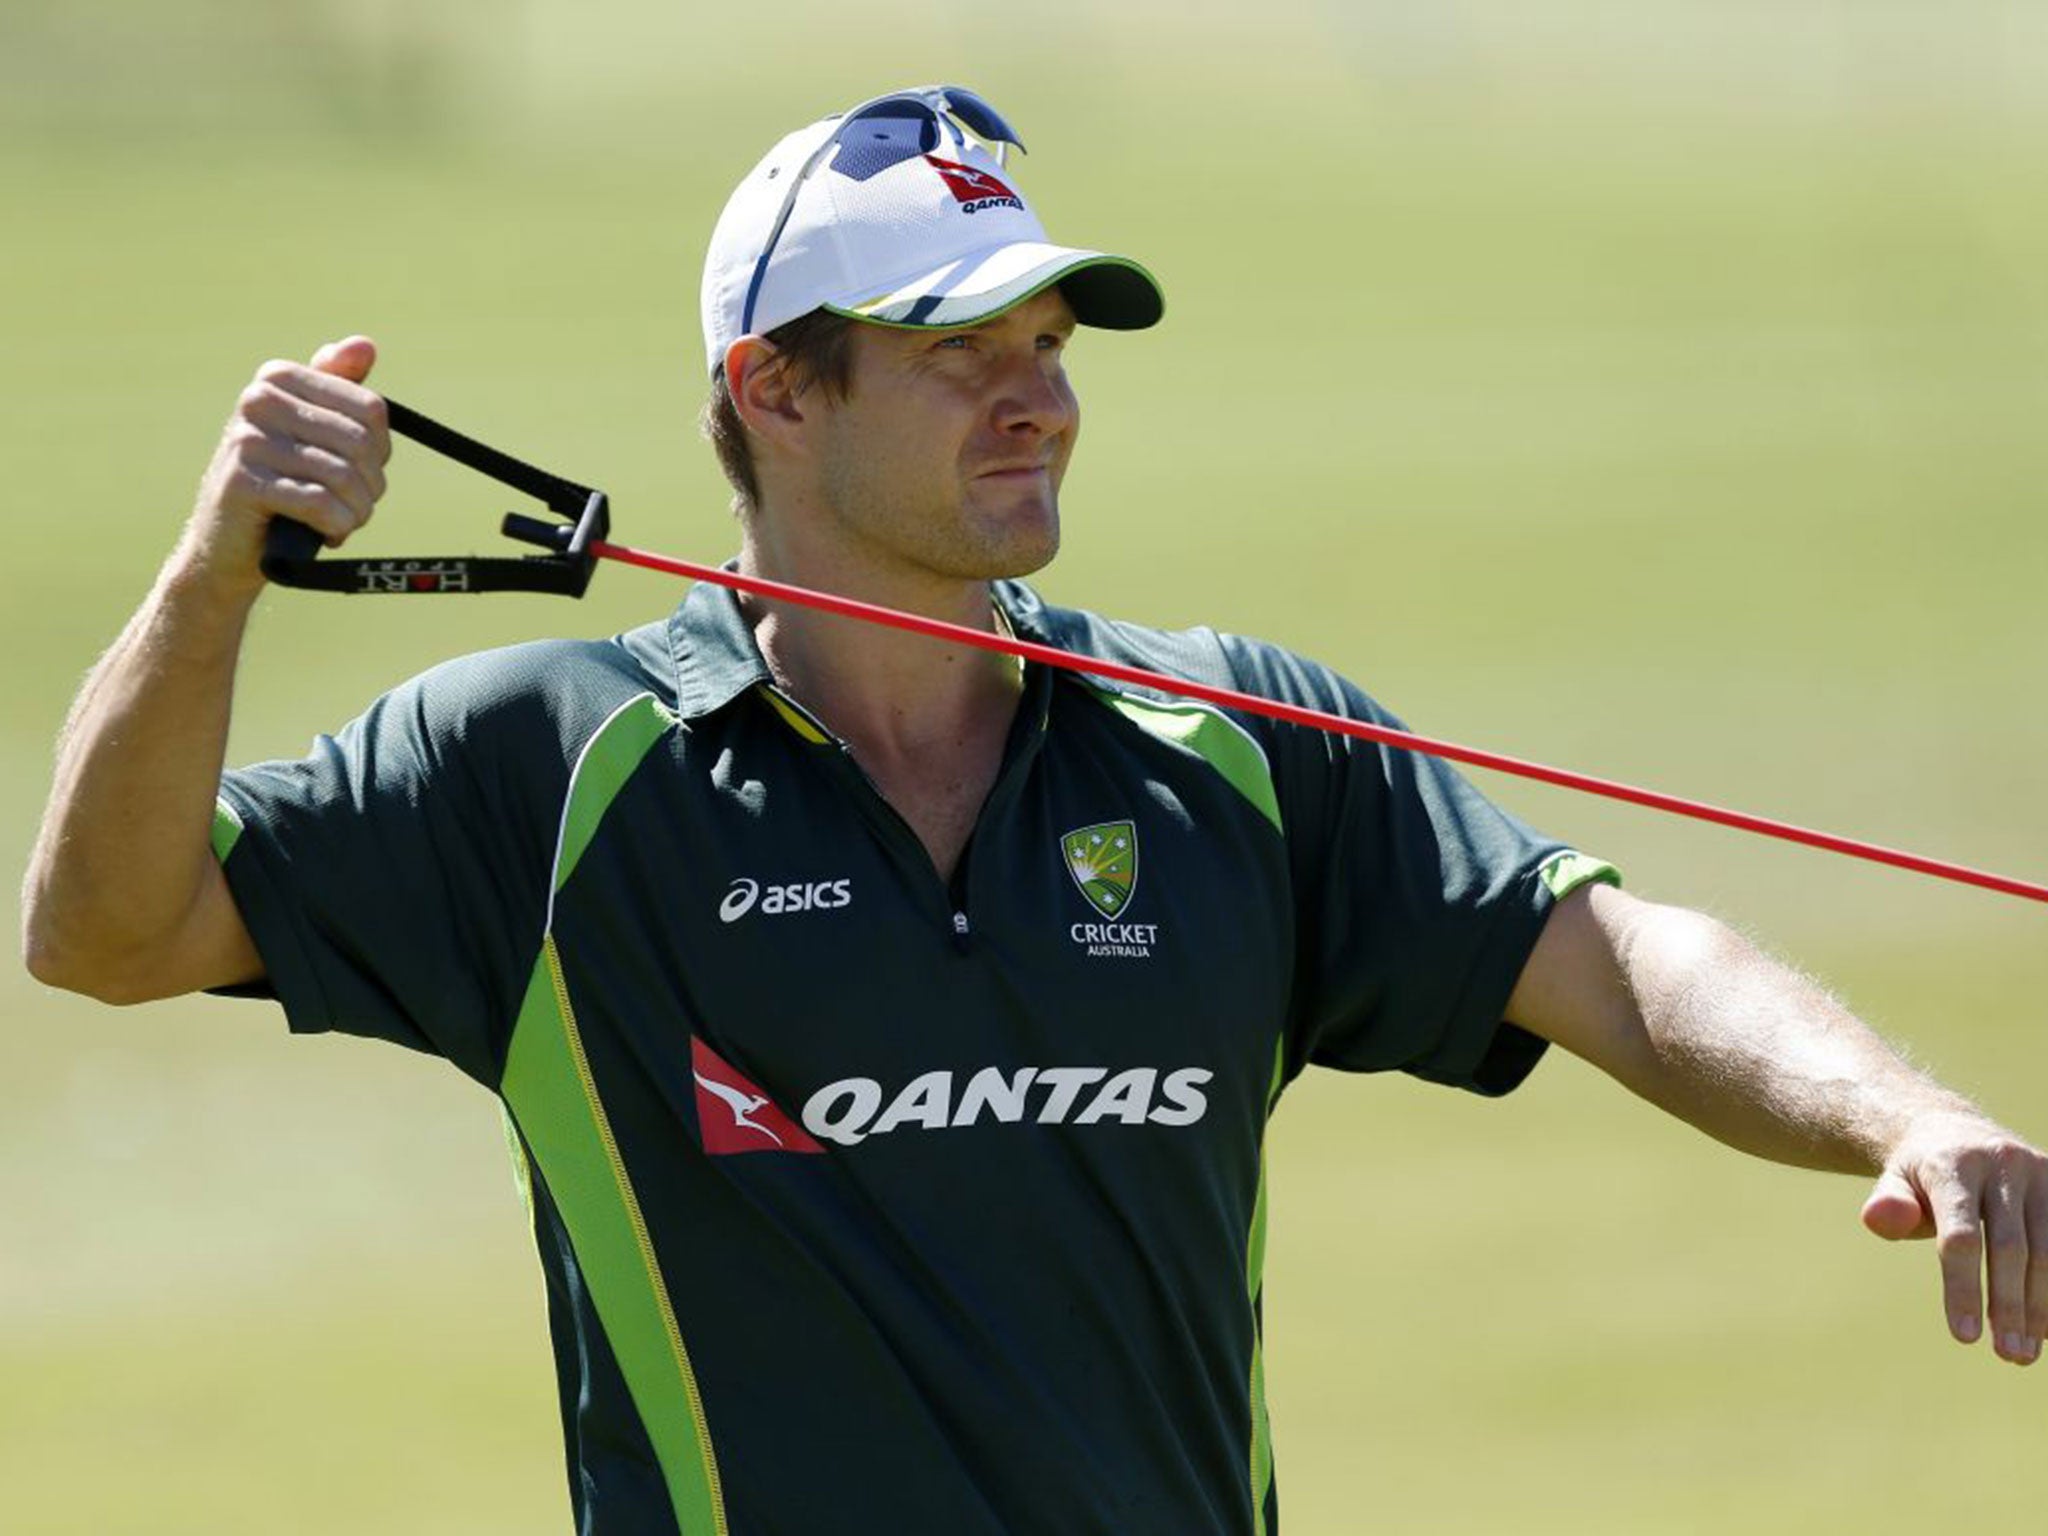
x: 1654, y: 388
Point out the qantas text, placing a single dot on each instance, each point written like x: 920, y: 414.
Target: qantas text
x: 851, y: 1110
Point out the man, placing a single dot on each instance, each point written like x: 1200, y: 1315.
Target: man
x: 889, y: 1031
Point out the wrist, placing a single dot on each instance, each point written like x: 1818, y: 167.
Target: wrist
x: 199, y: 579
x: 1939, y: 1117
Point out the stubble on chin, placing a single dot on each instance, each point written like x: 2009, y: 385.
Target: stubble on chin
x: 1012, y: 542
x: 967, y: 532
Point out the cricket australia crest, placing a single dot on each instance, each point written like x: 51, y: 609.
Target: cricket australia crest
x: 1103, y: 860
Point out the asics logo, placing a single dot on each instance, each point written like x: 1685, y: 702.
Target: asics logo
x: 774, y: 900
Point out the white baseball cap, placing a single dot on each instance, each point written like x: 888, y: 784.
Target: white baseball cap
x: 891, y: 213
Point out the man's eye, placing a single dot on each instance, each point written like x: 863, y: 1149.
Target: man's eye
x: 952, y: 343
x: 1051, y: 343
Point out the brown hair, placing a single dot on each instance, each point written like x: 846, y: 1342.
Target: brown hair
x: 816, y: 348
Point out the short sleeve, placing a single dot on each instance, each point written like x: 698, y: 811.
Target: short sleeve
x: 1418, y: 900
x: 395, y: 879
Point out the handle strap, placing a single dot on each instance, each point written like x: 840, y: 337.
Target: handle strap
x: 291, y: 552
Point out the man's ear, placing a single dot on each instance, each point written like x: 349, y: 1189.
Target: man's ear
x: 760, y: 387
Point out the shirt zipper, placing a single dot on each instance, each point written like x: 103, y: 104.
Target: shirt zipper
x: 899, y: 832
x: 886, y: 819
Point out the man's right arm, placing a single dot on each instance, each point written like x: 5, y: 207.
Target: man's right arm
x: 124, y: 899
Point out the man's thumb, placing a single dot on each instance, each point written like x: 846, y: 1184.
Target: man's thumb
x: 352, y: 358
x: 1895, y: 1210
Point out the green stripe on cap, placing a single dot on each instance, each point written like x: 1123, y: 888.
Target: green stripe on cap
x: 1092, y: 302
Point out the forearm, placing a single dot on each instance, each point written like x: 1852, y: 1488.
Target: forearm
x: 124, y: 900
x: 1698, y: 1021
x: 124, y: 849
x: 1759, y: 1056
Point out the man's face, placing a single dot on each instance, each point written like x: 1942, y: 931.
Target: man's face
x: 946, y: 457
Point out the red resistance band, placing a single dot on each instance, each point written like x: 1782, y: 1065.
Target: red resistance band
x: 1294, y: 714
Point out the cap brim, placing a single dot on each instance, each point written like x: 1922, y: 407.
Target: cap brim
x: 1113, y: 292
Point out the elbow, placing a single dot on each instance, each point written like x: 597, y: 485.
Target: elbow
x: 102, y: 986
x: 1663, y: 948
x: 50, y: 963
x: 68, y: 968
x: 78, y: 935
x: 40, y: 950
x: 1682, y: 968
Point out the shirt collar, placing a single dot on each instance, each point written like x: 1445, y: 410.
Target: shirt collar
x: 715, y: 654
x: 717, y: 660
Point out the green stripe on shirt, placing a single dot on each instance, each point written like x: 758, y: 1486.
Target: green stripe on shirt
x: 227, y: 829
x: 553, y: 1098
x: 1563, y: 873
x: 1209, y: 734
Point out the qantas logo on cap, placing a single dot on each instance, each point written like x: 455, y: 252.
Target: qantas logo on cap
x: 735, y: 1116
x: 973, y: 189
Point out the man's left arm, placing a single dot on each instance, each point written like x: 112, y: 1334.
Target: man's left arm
x: 1688, y: 1014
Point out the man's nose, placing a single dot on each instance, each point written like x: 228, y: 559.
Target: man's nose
x: 1034, y: 398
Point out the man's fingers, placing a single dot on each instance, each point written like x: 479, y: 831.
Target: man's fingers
x: 331, y: 392
x: 1959, y: 1240
x: 281, y: 411
x: 306, y: 441
x: 1895, y: 1210
x: 350, y: 358
x: 310, y: 465
x: 306, y: 501
x: 2037, y: 1260
x: 2005, y: 1248
x: 1986, y: 1192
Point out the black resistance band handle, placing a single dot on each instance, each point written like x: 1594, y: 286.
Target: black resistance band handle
x: 291, y: 550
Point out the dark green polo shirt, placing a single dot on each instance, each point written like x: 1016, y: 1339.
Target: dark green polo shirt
x: 867, y: 1201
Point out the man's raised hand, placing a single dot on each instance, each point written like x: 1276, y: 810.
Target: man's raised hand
x: 306, y: 441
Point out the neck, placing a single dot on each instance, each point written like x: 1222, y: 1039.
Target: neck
x: 890, y: 694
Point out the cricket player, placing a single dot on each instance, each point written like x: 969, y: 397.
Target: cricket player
x: 889, y: 1031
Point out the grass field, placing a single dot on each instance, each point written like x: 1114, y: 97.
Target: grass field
x: 1658, y: 390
